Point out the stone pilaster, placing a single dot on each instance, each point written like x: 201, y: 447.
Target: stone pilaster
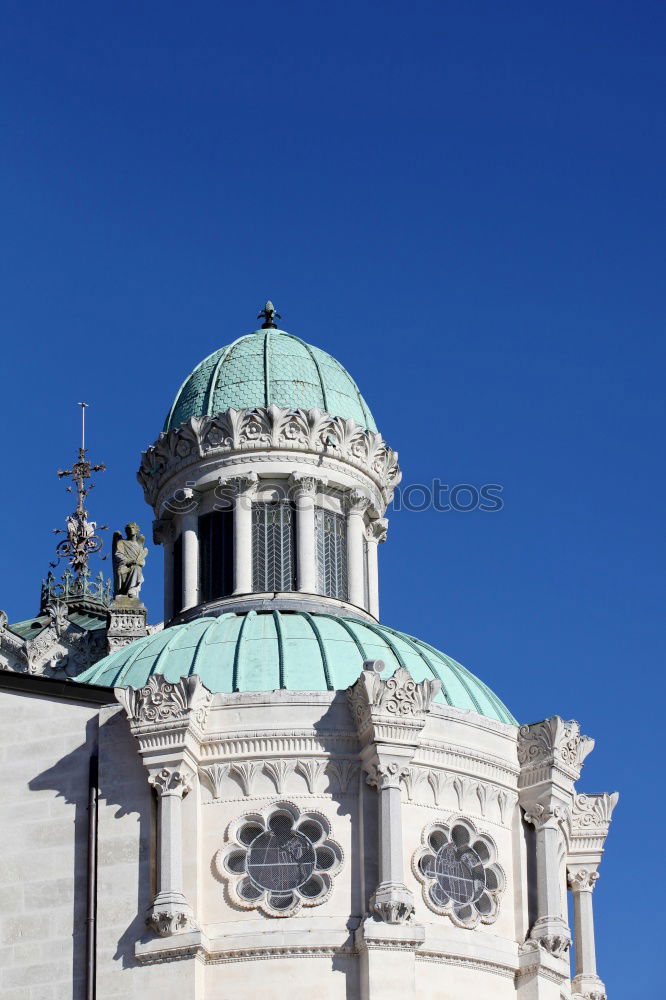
x: 167, y: 719
x: 587, y: 828
x: 551, y: 755
x: 389, y: 716
x: 164, y: 534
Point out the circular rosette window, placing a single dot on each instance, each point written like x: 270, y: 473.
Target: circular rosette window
x: 279, y: 860
x: 457, y: 867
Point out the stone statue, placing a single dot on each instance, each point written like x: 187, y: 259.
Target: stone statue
x: 129, y: 558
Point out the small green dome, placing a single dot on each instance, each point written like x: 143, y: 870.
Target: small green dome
x: 268, y: 367
x: 296, y: 651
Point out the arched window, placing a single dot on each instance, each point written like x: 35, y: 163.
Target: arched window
x: 331, y: 543
x: 273, y: 546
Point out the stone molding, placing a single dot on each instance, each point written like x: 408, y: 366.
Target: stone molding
x: 394, y: 709
x: 297, y: 775
x: 552, y: 744
x: 259, y: 428
x: 162, y: 703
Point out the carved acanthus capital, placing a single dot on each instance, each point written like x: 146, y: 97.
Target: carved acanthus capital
x: 164, y: 531
x: 377, y: 530
x: 356, y: 502
x: 303, y: 485
x: 387, y: 774
x: 543, y: 813
x: 552, y: 743
x: 161, y: 702
x: 392, y: 708
x: 582, y: 879
x: 171, y: 781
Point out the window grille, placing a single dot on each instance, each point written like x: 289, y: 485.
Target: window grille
x: 273, y: 545
x: 216, y: 555
x: 331, y: 538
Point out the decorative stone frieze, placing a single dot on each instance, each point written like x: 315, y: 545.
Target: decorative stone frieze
x: 260, y: 428
x: 124, y: 625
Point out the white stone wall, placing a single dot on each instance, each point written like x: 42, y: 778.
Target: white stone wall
x: 45, y: 746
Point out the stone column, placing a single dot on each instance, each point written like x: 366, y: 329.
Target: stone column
x: 356, y: 504
x: 170, y: 912
x: 304, y: 491
x: 375, y: 534
x: 190, y: 535
x: 243, y: 490
x: 586, y: 981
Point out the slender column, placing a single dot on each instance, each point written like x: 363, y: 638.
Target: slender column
x: 168, y: 582
x: 304, y: 490
x: 190, y: 533
x: 392, y: 900
x: 586, y: 981
x: 164, y: 533
x: 550, y: 929
x: 356, y: 504
x: 170, y: 912
x: 375, y: 534
x: 243, y: 488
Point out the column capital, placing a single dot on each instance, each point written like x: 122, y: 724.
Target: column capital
x: 356, y: 502
x: 545, y: 812
x: 387, y: 772
x: 377, y: 530
x: 241, y: 485
x: 304, y: 485
x: 581, y: 879
x: 171, y: 781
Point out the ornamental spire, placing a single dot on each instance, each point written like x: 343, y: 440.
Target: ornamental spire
x: 81, y: 541
x: 269, y: 314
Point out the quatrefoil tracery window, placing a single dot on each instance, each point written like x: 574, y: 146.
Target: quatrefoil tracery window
x: 279, y: 860
x: 458, y: 870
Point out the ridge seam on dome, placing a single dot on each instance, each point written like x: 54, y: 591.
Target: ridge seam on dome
x: 278, y: 632
x: 234, y: 674
x: 455, y: 668
x: 123, y: 670
x: 316, y: 364
x: 202, y: 642
x: 322, y: 649
x: 358, y: 643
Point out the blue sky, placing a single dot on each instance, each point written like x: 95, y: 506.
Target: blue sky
x: 464, y: 203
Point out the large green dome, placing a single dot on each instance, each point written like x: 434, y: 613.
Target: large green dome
x: 268, y: 367
x: 288, y: 650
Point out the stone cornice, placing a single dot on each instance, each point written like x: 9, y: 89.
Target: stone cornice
x: 552, y: 750
x: 261, y: 428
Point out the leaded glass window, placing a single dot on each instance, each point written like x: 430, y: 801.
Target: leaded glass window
x: 459, y: 872
x: 279, y: 860
x: 273, y: 545
x: 331, y: 538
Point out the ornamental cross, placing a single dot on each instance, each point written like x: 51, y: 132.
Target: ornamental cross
x: 81, y: 541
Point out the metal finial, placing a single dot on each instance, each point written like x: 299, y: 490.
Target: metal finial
x: 81, y: 541
x: 269, y: 314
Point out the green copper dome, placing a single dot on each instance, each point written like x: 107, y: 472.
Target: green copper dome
x: 268, y: 367
x: 288, y: 650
